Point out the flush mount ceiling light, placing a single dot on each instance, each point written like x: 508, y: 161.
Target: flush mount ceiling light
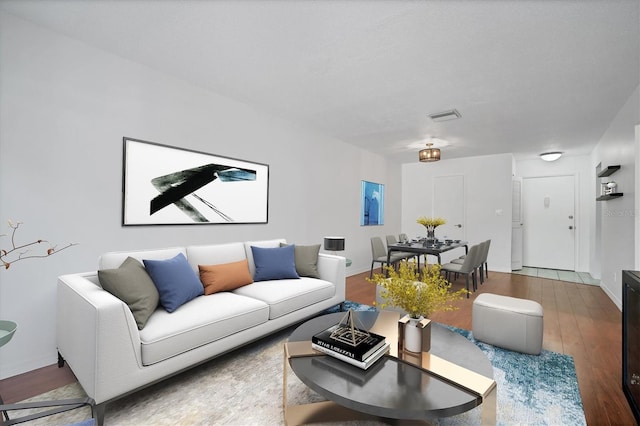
x: 429, y: 154
x: 551, y: 156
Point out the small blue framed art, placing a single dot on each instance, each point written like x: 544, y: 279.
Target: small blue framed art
x: 372, y: 204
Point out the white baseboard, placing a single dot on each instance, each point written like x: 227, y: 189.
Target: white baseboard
x: 613, y: 298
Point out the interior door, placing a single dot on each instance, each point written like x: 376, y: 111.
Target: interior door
x: 448, y: 203
x: 549, y: 225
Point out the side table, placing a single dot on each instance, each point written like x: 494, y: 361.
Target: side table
x: 7, y: 330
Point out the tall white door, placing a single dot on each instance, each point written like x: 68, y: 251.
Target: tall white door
x: 549, y: 224
x: 448, y: 203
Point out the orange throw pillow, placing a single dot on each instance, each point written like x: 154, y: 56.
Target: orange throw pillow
x: 224, y: 277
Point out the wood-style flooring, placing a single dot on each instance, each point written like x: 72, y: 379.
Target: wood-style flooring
x: 579, y: 320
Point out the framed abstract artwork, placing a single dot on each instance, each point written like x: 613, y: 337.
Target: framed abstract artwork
x: 372, y: 204
x: 165, y: 185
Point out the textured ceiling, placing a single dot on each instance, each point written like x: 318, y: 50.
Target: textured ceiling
x: 527, y: 76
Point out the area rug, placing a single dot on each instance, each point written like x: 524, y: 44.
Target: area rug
x: 245, y: 388
x: 533, y: 389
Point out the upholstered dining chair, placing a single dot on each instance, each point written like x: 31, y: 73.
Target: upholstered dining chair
x: 482, y: 260
x: 405, y: 238
x: 379, y: 254
x: 468, y: 267
x: 391, y: 239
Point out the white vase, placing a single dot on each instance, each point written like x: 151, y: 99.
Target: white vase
x: 413, y: 335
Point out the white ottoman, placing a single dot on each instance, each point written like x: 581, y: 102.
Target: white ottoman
x: 508, y: 322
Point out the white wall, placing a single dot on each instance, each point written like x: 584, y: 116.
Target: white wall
x: 579, y: 167
x: 64, y: 109
x: 487, y: 181
x: 617, y: 233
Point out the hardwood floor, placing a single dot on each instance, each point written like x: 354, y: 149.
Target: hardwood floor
x: 579, y: 320
x: 32, y: 383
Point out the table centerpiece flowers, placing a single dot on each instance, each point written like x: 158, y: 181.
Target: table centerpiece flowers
x: 431, y: 223
x: 419, y: 294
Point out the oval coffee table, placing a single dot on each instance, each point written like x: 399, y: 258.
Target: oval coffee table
x: 406, y: 387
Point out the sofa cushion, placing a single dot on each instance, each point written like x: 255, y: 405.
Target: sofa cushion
x: 201, y: 321
x: 115, y: 258
x: 306, y: 259
x: 215, y: 254
x: 285, y: 296
x: 224, y: 277
x: 263, y: 244
x: 176, y: 282
x: 276, y: 263
x: 132, y: 284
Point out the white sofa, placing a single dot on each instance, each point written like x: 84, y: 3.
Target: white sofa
x: 99, y: 338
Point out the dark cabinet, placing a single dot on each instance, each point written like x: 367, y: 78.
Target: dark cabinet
x: 631, y: 340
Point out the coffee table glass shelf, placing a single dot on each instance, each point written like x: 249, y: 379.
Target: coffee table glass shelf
x: 453, y: 377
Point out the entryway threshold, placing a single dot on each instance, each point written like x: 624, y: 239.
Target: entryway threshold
x: 558, y: 274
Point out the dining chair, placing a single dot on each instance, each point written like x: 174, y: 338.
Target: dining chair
x: 379, y: 254
x: 391, y: 239
x: 469, y: 267
x: 405, y: 238
x: 482, y: 260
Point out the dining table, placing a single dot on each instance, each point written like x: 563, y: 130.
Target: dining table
x: 426, y: 247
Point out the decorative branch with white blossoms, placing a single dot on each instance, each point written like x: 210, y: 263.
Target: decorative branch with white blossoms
x: 18, y: 252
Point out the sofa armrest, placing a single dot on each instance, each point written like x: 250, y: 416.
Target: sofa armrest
x: 97, y: 335
x: 333, y: 268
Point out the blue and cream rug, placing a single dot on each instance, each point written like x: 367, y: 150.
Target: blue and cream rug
x: 532, y: 389
x: 245, y: 388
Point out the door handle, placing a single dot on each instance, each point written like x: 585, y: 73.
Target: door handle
x: 571, y: 227
x: 459, y: 225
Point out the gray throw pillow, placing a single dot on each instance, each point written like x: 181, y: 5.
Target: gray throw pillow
x: 306, y: 259
x: 132, y: 284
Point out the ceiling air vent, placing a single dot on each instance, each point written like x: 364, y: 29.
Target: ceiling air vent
x: 452, y: 114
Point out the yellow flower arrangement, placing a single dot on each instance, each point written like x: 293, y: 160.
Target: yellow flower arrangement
x: 431, y: 222
x: 417, y: 295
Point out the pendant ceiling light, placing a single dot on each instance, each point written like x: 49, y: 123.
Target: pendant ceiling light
x: 429, y: 154
x: 551, y: 156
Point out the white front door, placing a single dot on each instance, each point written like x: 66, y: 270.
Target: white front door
x: 448, y: 203
x: 549, y: 224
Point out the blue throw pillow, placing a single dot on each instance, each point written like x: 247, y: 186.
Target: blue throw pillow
x: 276, y: 263
x: 176, y: 282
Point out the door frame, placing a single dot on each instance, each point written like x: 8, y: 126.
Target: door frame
x: 577, y: 218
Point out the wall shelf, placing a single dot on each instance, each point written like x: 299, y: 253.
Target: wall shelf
x: 604, y: 173
x: 609, y: 196
x: 608, y: 171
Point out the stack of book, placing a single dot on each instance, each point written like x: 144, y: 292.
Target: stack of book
x: 355, y: 346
